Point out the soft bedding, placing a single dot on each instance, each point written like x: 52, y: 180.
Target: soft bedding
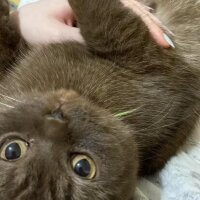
x: 180, y: 179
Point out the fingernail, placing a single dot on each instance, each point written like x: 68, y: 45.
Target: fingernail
x: 168, y: 40
x: 149, y: 8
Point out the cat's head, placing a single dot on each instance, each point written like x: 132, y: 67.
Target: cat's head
x: 59, y: 146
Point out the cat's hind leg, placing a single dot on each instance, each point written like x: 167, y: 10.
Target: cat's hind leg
x: 9, y: 38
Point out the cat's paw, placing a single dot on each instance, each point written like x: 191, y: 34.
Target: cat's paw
x: 78, y: 6
x: 90, y: 8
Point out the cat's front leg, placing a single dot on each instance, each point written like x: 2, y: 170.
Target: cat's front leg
x: 9, y: 38
x: 112, y: 30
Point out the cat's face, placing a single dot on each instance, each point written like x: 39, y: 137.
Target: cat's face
x: 59, y: 146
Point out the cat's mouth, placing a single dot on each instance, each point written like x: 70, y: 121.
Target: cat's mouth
x: 57, y: 115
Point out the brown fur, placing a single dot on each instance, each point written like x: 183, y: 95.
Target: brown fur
x: 119, y: 69
x: 9, y: 39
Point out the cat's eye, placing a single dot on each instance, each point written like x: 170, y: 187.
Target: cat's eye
x: 14, y: 150
x: 84, y: 166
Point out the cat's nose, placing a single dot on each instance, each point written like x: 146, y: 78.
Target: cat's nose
x: 56, y: 124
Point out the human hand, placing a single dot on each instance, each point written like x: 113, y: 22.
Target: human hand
x: 47, y: 21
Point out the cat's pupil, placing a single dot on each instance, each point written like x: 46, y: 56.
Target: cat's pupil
x: 13, y: 151
x: 82, y: 168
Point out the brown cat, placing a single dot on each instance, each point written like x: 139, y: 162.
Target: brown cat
x: 83, y: 122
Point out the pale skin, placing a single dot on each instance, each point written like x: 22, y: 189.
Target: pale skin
x: 49, y: 21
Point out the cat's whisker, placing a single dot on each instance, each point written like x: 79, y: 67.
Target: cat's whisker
x: 125, y: 114
x: 168, y: 125
x: 192, y: 142
x: 9, y: 106
x: 11, y: 98
x: 167, y: 108
x: 4, y: 88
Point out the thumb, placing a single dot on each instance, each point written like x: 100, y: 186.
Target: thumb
x: 68, y: 33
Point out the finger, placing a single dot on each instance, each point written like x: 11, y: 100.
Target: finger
x: 59, y: 32
x: 70, y: 21
x: 159, y: 36
x: 156, y: 28
x: 72, y: 34
x: 157, y: 33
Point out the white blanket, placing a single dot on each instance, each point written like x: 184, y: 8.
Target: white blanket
x: 179, y: 180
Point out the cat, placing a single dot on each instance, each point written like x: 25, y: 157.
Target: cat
x: 83, y: 122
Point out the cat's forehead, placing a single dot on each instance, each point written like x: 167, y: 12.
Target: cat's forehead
x: 27, y: 117
x: 35, y: 107
x: 60, y: 114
